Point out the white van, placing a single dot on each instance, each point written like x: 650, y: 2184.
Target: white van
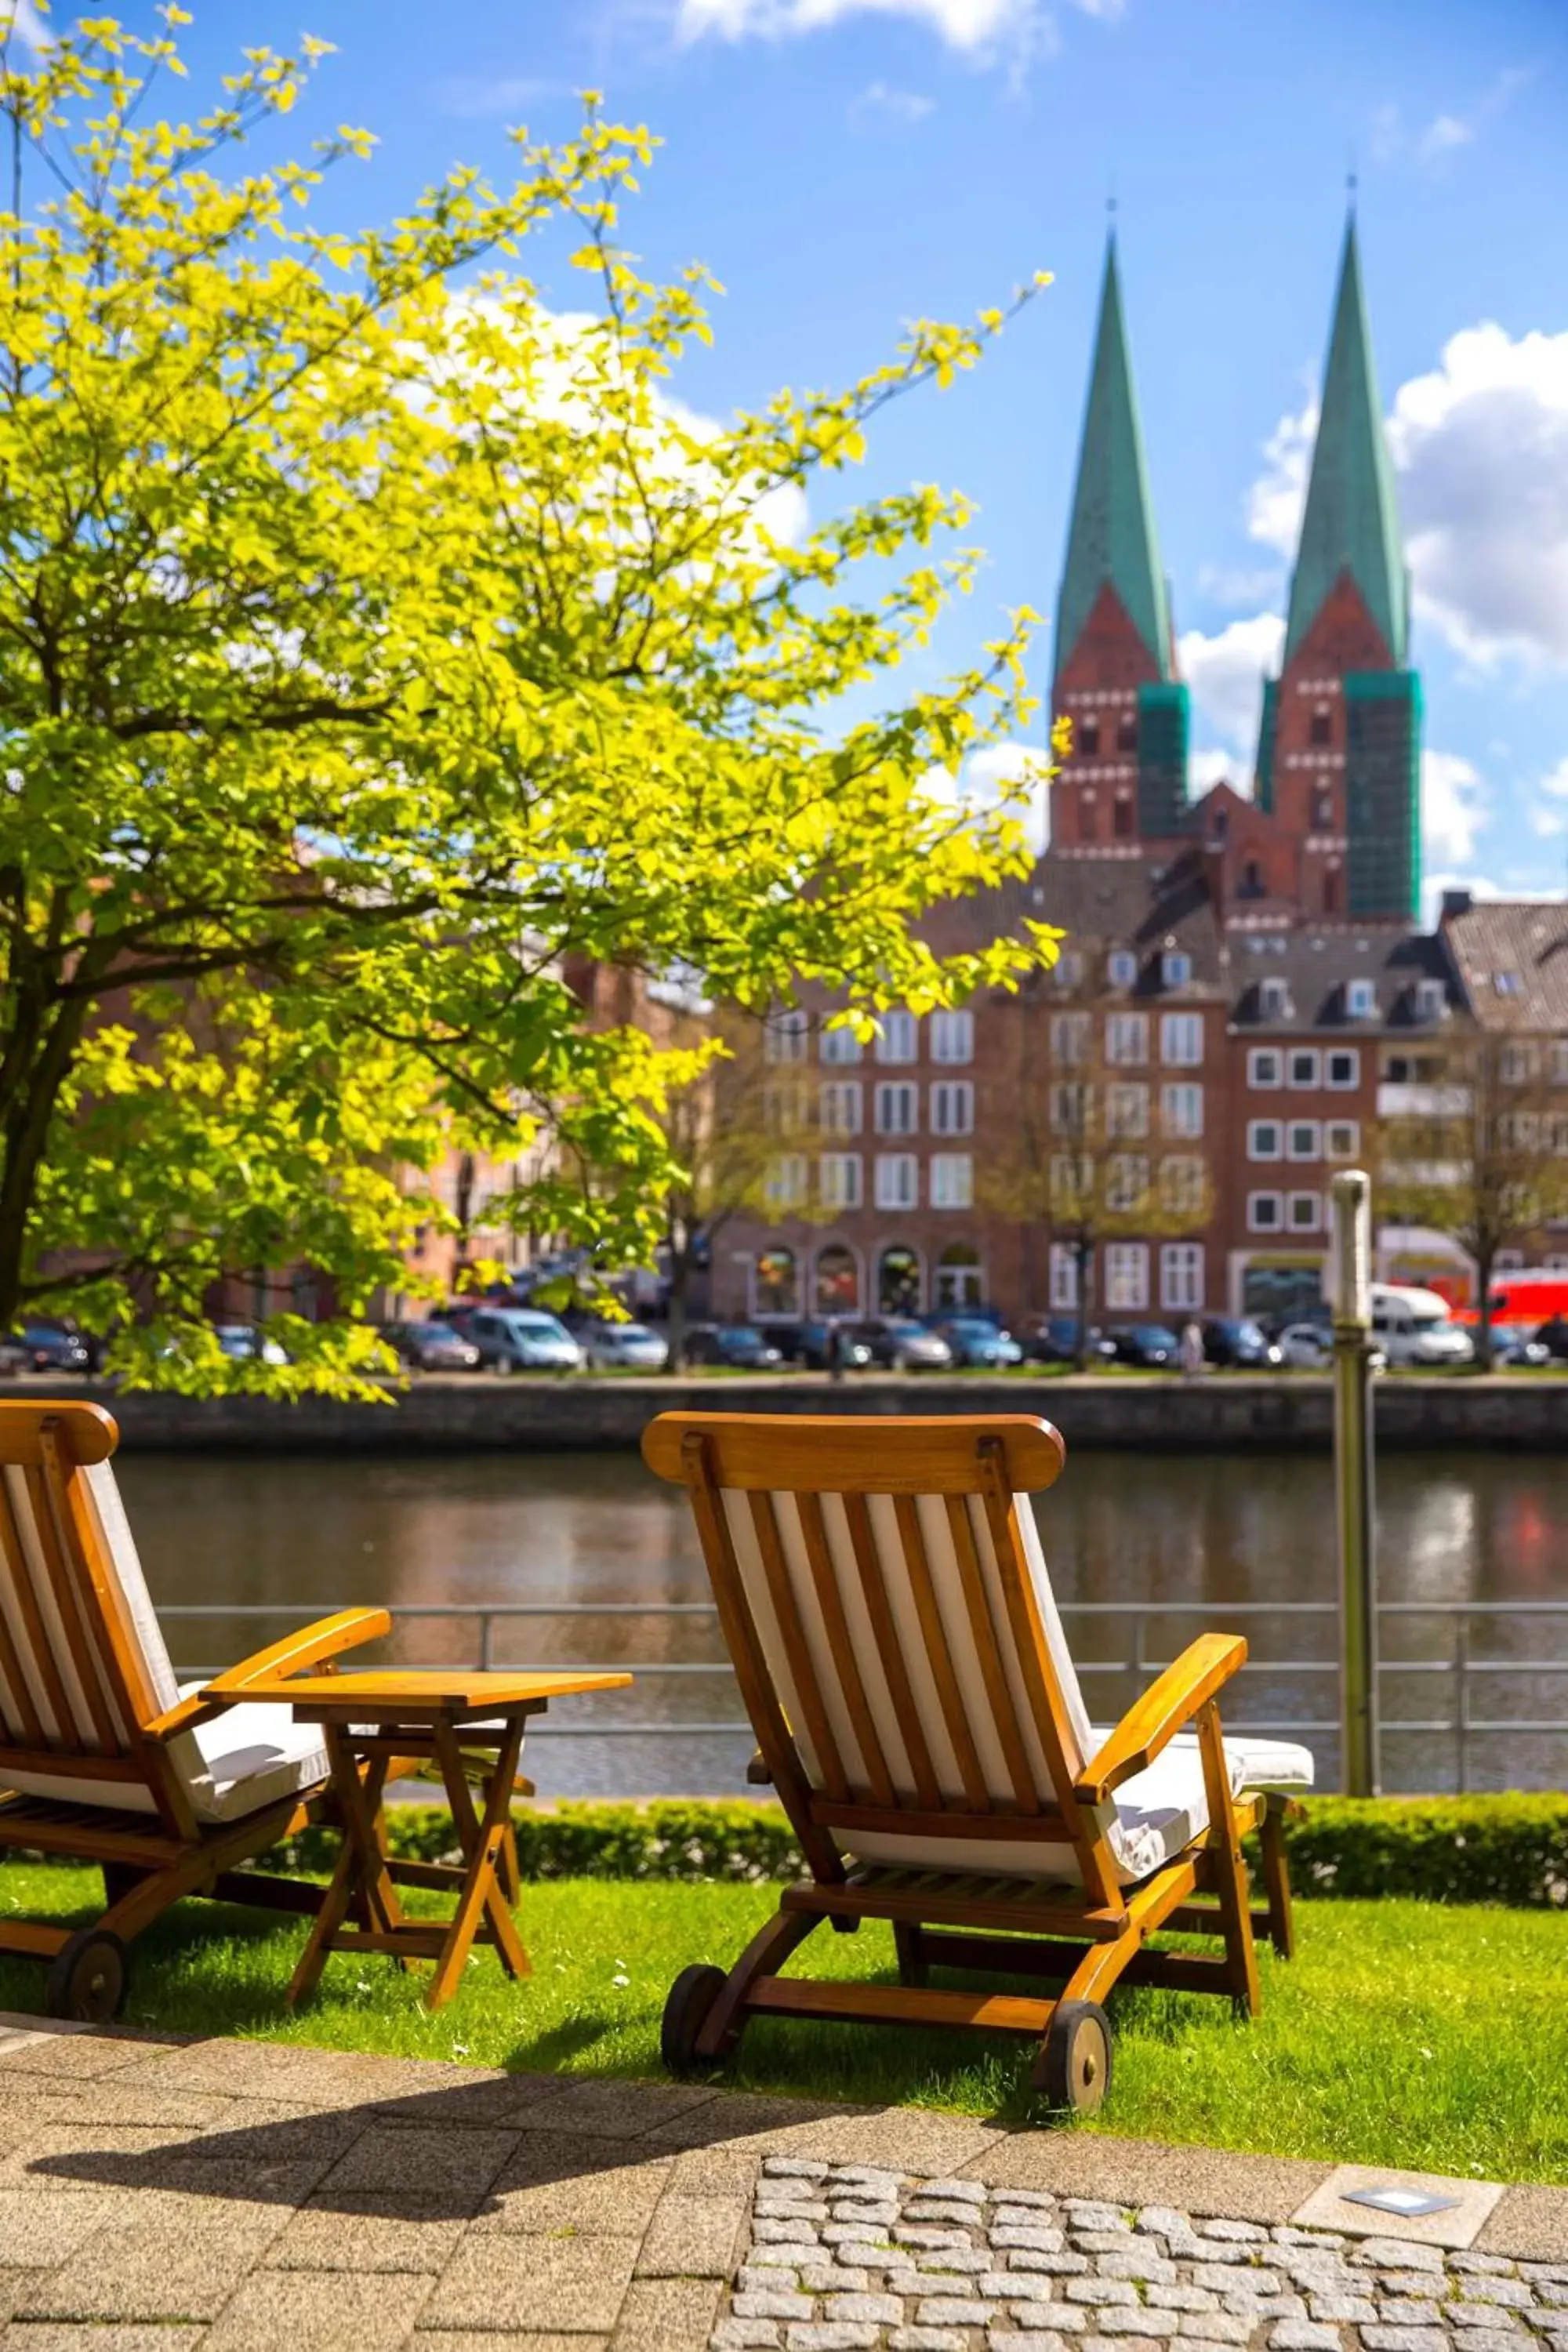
x: 1413, y: 1327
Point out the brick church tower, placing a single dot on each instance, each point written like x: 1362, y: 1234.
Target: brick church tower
x: 1115, y: 677
x: 1339, y: 746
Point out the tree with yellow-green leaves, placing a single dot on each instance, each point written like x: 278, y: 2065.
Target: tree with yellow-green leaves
x: 372, y: 638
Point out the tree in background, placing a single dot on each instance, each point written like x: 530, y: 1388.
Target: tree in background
x: 1482, y: 1156
x: 372, y: 638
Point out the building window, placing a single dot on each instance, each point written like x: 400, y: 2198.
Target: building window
x: 1360, y: 999
x: 841, y: 1046
x: 1121, y: 968
x: 1072, y: 1183
x: 1263, y: 1139
x: 1339, y: 1070
x: 898, y: 1108
x: 1321, y: 730
x: 1127, y: 1276
x: 959, y: 1279
x: 1126, y: 1037
x: 1251, y: 880
x: 897, y: 1038
x: 1122, y: 818
x: 951, y: 1180
x: 1556, y: 1131
x: 1182, y: 1277
x: 1264, y: 1067
x: 1265, y: 1212
x: 1181, y: 1039
x: 840, y: 1106
x: 1305, y: 1213
x: 1515, y: 1065
x: 1086, y: 735
x: 1508, y: 983
x: 783, y: 1107
x: 899, y: 1282
x: 1068, y: 970
x: 1182, y: 1110
x: 1127, y: 1111
x: 1069, y: 1108
x: 1322, y: 815
x: 1432, y: 1001
x: 838, y: 1282
x: 1274, y: 996
x: 952, y: 1037
x: 1559, y: 1061
x: 1070, y: 1037
x: 1064, y: 1275
x: 1182, y: 1185
x: 1126, y: 1181
x: 784, y: 1035
x: 952, y: 1108
x: 786, y: 1182
x: 1341, y: 1139
x: 1175, y: 969
x: 1127, y: 735
x: 838, y: 1179
x: 1302, y: 1066
x: 1518, y: 1130
x: 898, y: 1180
x: 775, y: 1282
x: 1303, y: 1139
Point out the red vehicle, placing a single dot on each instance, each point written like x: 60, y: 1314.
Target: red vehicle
x: 1533, y: 1296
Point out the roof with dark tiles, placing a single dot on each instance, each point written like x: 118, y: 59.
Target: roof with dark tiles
x: 1511, y: 955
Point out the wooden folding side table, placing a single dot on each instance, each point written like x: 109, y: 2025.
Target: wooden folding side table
x: 470, y: 1728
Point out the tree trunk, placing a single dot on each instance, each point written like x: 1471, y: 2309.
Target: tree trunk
x: 679, y: 1291
x: 1084, y: 1296
x: 1484, y: 1258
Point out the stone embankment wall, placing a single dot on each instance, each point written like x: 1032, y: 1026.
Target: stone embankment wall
x: 1225, y: 1413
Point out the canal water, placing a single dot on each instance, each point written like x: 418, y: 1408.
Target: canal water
x: 1194, y: 1542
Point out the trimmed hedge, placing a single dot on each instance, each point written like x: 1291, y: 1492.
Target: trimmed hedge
x: 1506, y: 1849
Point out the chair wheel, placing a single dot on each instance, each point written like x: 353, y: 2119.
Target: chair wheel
x: 86, y: 1979
x: 692, y: 1996
x: 1074, y: 2069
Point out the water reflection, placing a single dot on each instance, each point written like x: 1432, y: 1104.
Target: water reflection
x: 307, y: 1534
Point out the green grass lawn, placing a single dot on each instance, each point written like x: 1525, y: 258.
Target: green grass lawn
x: 1407, y: 2033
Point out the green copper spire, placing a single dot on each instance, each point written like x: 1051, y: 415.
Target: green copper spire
x: 1111, y: 536
x: 1351, y: 523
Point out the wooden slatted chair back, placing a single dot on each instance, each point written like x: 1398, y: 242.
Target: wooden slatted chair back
x: 82, y: 1662
x: 885, y: 1599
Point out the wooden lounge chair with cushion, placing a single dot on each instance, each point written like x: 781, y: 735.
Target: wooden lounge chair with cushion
x: 886, y: 1603
x: 105, y: 1760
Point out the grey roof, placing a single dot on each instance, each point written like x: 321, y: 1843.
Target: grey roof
x: 1318, y: 963
x: 1512, y: 958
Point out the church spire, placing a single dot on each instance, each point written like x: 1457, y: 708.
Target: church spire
x: 1110, y: 540
x: 1350, y: 524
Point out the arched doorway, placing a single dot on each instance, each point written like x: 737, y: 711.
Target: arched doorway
x: 959, y: 1282
x: 838, y: 1281
x: 775, y: 1282
x: 899, y: 1282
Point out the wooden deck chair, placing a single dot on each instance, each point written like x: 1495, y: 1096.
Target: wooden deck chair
x: 104, y: 1758
x: 881, y: 1589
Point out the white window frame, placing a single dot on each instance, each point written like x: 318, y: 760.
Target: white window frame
x: 1127, y: 1040
x: 1274, y: 997
x: 1431, y: 999
x: 1258, y: 1223
x: 1069, y: 1039
x: 839, y: 1048
x: 1181, y: 1040
x: 1176, y: 968
x: 896, y: 1096
x: 1182, y: 1278
x: 897, y: 1179
x: 1261, y: 1059
x: 1121, y: 968
x: 1559, y: 1061
x: 1071, y: 1103
x: 952, y: 1180
x: 840, y: 1180
x: 952, y: 1037
x: 1254, y: 1149
x: 1127, y: 1277
x: 1312, y: 1129
x: 841, y: 1106
x: 1175, y: 1120
x: 1314, y: 1061
x: 784, y: 1107
x: 1517, y: 1064
x: 787, y: 1182
x: 1126, y: 1181
x: 898, y: 1039
x: 1349, y: 1128
x: 786, y: 1035
x: 1069, y: 968
x: 1126, y: 1110
x: 1064, y: 1277
x: 1182, y: 1198
x: 1360, y: 999
x: 1311, y: 1222
x: 1350, y: 1053
x: 953, y: 1107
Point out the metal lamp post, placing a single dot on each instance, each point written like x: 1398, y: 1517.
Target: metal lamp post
x: 1352, y: 1273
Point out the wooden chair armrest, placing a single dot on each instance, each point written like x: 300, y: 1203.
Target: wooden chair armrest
x: 306, y: 1647
x: 1153, y: 1722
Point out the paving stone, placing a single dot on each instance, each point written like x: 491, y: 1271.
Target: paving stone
x: 618, y: 2110
x: 1513, y: 2294
x: 1219, y: 2250
x: 532, y: 2280
x: 1269, y: 2306
x: 53, y: 2336
x: 665, y: 2315
x: 966, y: 2192
x: 1401, y: 2310
x: 833, y: 2278
x: 1023, y: 2339
x: 1093, y: 2213
x: 39, y: 2229
x: 831, y: 2336
x: 792, y: 2209
x: 364, y: 2233
x: 859, y: 2208
x: 1181, y: 2297
x: 159, y: 2266
x: 1493, y: 2339
x: 771, y: 2231
x: 1049, y: 2266
x: 907, y: 2233
x: 1216, y: 2326
x: 1139, y: 2321
x: 882, y: 2310
x: 1398, y: 2255
x: 1100, y: 2291
x: 691, y: 2237
x: 1303, y: 2335
x: 1039, y: 2201
x: 928, y: 2339
x: 1138, y: 2263
x: 966, y: 2259
x: 1343, y: 2310
x: 743, y: 2336
x: 795, y: 2168
x: 1493, y: 2266
x: 939, y: 2208
x: 956, y: 2310
x: 1238, y: 2233
x: 315, y: 2313
x: 555, y: 2182
x: 1476, y: 2318
x: 752, y: 2278
x: 782, y: 2258
x: 773, y: 2307
x: 1102, y: 2241
x: 871, y: 2179
x: 1404, y: 2339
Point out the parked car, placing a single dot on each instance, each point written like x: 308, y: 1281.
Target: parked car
x: 1149, y: 1345
x: 1306, y: 1347
x: 977, y: 1343
x: 1513, y: 1351
x: 431, y: 1346
x: 1056, y: 1341
x: 625, y: 1348
x: 516, y: 1338
x: 1413, y: 1327
x: 901, y: 1344
x: 50, y: 1348
x: 741, y: 1345
x: 244, y: 1343
x: 1237, y: 1340
x: 806, y: 1344
x: 1553, y: 1337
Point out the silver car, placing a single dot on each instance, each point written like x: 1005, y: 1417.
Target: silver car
x: 626, y: 1348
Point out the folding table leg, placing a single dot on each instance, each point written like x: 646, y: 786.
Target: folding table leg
x: 361, y: 1870
x: 482, y: 1842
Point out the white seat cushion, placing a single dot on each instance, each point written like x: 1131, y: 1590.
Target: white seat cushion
x: 245, y: 1758
x: 1160, y: 1812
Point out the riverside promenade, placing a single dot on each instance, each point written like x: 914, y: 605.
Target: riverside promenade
x: 161, y: 2195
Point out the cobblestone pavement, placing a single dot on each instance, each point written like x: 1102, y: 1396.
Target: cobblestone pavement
x: 849, y: 2257
x: 160, y: 2195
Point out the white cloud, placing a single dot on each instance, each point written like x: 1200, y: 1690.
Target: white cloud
x: 1557, y: 782
x: 971, y: 26
x: 1546, y: 822
x: 1452, y: 808
x: 880, y: 107
x: 1481, y: 445
x: 1225, y: 673
x: 1233, y: 584
x: 1209, y: 765
x: 21, y: 19
x: 1275, y: 501
x: 998, y: 775
x: 1442, y: 136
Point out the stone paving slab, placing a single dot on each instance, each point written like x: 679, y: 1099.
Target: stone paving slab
x: 234, y: 2194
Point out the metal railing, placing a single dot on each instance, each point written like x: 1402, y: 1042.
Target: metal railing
x: 1459, y: 1668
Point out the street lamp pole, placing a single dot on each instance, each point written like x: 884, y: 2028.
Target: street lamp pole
x: 1351, y: 1270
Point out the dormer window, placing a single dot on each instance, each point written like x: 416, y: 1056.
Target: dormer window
x: 1175, y: 969
x: 1275, y: 999
x: 1360, y: 999
x: 1069, y: 969
x: 1508, y: 983
x: 1431, y: 999
x: 1121, y: 968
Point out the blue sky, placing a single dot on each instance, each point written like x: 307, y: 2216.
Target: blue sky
x: 846, y: 164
